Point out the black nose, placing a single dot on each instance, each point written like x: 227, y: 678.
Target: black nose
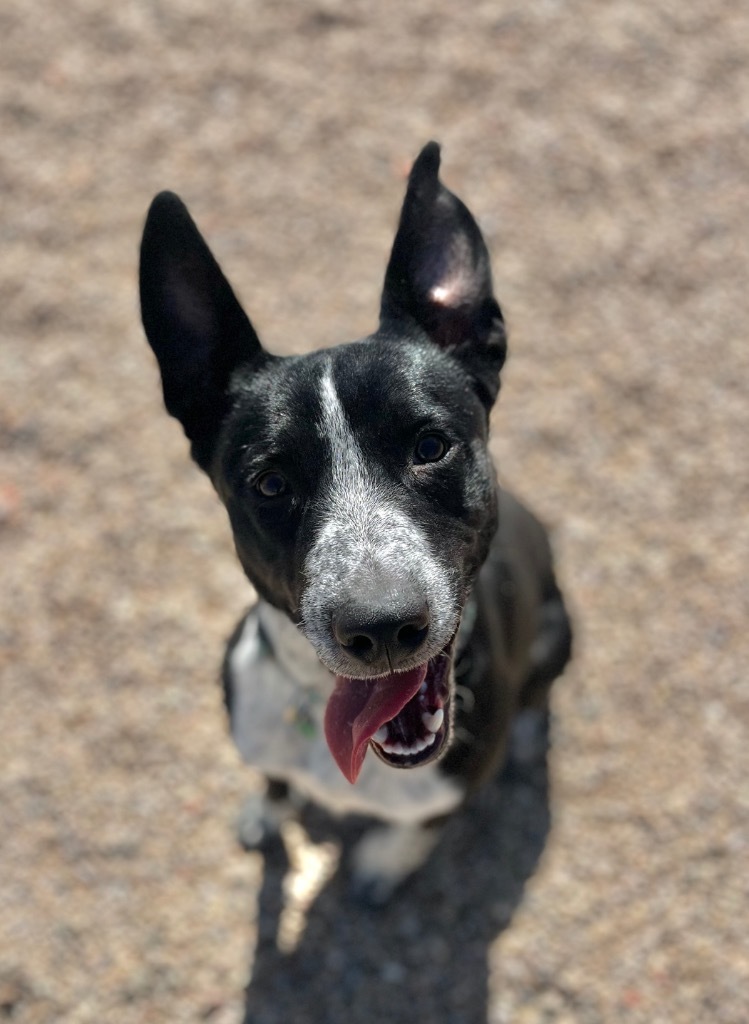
x: 381, y: 638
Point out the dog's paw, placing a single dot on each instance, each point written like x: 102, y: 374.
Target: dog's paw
x: 385, y: 857
x: 260, y: 820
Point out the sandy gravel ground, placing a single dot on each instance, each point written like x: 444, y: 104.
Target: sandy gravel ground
x: 604, y: 147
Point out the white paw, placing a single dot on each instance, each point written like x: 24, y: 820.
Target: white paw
x: 386, y: 856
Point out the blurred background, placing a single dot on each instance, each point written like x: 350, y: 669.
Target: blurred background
x: 604, y: 148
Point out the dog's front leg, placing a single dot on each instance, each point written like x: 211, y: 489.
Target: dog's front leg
x: 387, y: 855
x: 263, y: 814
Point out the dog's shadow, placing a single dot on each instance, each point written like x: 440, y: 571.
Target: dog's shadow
x: 424, y: 955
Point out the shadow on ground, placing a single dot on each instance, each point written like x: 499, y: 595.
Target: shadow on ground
x: 425, y: 954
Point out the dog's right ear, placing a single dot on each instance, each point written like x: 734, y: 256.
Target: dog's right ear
x: 439, y: 278
x: 193, y: 321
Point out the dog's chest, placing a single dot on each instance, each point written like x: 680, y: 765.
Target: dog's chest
x: 279, y: 691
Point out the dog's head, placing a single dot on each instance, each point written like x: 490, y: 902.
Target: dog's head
x: 357, y: 479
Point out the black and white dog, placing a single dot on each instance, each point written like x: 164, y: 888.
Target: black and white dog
x: 366, y: 513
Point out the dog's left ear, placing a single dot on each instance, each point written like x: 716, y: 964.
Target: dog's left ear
x: 439, y: 276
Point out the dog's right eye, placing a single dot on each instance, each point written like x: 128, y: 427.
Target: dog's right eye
x: 271, y: 484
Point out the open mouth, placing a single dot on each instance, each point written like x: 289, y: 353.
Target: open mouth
x: 404, y: 717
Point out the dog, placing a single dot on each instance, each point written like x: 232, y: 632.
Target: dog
x: 407, y: 606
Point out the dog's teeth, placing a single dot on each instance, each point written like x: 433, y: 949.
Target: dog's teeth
x: 397, y: 748
x: 433, y: 722
x: 402, y: 751
x: 423, y: 688
x: 381, y: 735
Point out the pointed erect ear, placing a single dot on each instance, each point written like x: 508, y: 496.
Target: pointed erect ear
x: 439, y: 276
x: 193, y: 322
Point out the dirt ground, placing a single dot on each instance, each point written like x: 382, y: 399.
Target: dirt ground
x: 604, y: 148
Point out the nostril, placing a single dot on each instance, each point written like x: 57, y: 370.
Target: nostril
x: 412, y: 636
x: 359, y: 645
x: 370, y: 634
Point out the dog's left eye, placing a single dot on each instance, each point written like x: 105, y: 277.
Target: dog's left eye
x: 271, y: 484
x: 430, y: 448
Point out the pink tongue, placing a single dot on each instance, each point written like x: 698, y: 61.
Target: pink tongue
x: 358, y: 707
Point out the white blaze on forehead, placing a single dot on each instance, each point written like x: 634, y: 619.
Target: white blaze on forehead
x: 334, y: 428
x: 357, y: 509
x: 361, y: 529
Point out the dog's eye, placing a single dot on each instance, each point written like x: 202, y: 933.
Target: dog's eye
x: 271, y: 484
x: 430, y: 448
